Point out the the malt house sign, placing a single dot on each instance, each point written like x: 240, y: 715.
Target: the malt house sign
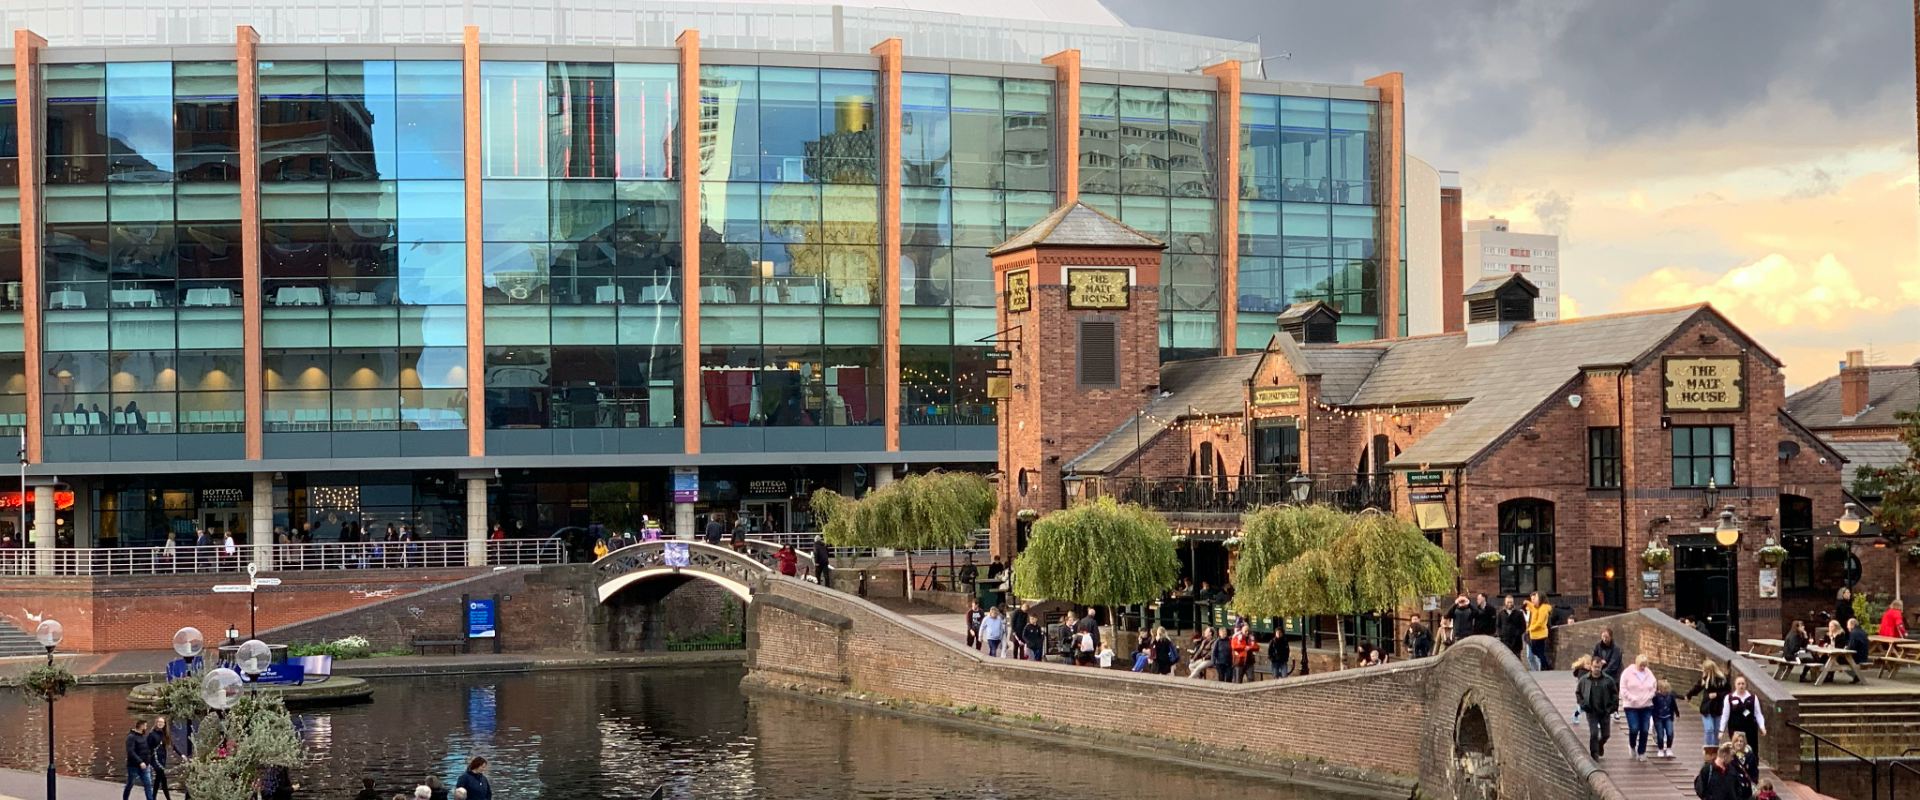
x: 1704, y: 383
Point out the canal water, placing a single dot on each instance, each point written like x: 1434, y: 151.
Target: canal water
x: 610, y: 734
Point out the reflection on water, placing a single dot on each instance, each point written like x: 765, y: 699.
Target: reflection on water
x: 577, y: 735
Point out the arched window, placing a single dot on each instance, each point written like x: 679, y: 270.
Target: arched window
x: 1526, y: 547
x: 1206, y: 458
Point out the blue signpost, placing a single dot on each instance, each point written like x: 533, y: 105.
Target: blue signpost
x: 480, y: 621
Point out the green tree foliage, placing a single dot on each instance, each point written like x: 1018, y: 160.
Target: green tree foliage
x: 1100, y: 553
x: 917, y: 512
x: 258, y: 735
x: 1898, y: 514
x: 1308, y: 561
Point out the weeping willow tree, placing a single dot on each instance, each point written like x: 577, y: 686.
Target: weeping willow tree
x: 1100, y: 553
x: 1318, y: 561
x: 258, y: 740
x: 917, y: 512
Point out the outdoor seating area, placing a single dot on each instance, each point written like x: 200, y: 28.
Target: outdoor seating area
x: 1890, y: 654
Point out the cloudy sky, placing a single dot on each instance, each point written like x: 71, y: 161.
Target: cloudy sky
x: 1758, y: 154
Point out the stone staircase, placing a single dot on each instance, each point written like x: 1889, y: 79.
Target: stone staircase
x: 1873, y: 725
x: 16, y: 642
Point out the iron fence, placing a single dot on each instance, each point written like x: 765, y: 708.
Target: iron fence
x: 439, y: 553
x: 1236, y: 493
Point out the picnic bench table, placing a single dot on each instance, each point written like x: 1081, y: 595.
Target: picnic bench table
x: 1905, y: 653
x: 1767, y: 651
x: 1878, y: 645
x: 1837, y: 659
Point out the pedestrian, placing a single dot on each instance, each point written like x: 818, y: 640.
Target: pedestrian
x: 1765, y: 792
x: 822, y: 562
x: 1459, y: 620
x: 1607, y: 652
x: 438, y: 787
x: 1200, y: 657
x: 1511, y: 624
x: 1418, y: 640
x: 1742, y: 714
x: 1105, y: 657
x: 974, y: 617
x: 739, y: 538
x: 1085, y: 644
x: 473, y: 783
x: 1244, y: 647
x: 1637, y: 688
x: 1483, y: 615
x: 1222, y: 656
x: 367, y: 792
x: 1747, y: 757
x: 160, y: 742
x: 1016, y: 636
x: 202, y: 548
x: 139, y: 760
x: 1089, y: 624
x: 422, y: 792
x: 993, y: 631
x: 1539, y: 614
x: 968, y: 577
x: 1665, y: 708
x: 1165, y: 652
x: 1712, y: 689
x: 1597, y: 697
x: 1843, y: 606
x: 599, y: 549
x: 1719, y: 779
x: 789, y: 559
x: 715, y: 528
x: 1858, y: 642
x: 1277, y: 656
x: 1035, y: 638
x: 276, y: 783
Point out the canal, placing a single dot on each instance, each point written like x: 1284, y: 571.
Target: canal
x: 614, y: 734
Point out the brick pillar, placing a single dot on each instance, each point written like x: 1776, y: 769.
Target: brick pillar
x: 476, y: 522
x: 260, y: 531
x: 43, y: 528
x: 685, y: 526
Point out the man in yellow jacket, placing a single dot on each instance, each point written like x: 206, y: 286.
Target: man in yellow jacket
x: 1539, y: 612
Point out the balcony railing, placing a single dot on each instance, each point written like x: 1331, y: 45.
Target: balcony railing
x: 1236, y: 493
x: 431, y: 554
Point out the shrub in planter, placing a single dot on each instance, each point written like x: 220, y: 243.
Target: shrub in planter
x: 48, y: 682
x: 1655, y: 557
x: 1835, y: 551
x: 1772, y: 555
x: 1489, y: 560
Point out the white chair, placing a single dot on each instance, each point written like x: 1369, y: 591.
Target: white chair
x: 286, y: 296
x: 306, y: 295
x: 609, y: 294
x: 855, y: 294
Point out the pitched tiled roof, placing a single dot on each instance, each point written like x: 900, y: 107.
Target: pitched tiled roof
x: 1889, y: 389
x: 1202, y: 386
x: 1077, y: 225
x: 1879, y: 455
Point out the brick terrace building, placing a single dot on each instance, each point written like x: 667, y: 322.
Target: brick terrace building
x: 1567, y: 447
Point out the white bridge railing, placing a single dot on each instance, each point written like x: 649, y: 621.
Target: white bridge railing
x: 432, y: 554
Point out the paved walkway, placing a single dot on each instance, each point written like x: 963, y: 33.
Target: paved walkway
x: 18, y: 785
x: 141, y: 666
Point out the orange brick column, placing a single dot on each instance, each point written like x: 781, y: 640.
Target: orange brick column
x: 1066, y: 101
x: 475, y: 274
x: 245, y: 44
x: 1226, y: 76
x: 889, y: 52
x: 1393, y: 155
x: 30, y: 124
x: 689, y: 145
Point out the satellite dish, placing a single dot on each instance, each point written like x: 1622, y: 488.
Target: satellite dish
x: 221, y: 688
x: 253, y: 656
x: 188, y: 642
x: 1788, y: 449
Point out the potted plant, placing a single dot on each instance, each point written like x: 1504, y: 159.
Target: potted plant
x: 49, y: 682
x: 1913, y: 553
x: 1772, y: 555
x: 1655, y: 556
x: 1489, y: 560
x: 1026, y: 515
x: 1836, y: 551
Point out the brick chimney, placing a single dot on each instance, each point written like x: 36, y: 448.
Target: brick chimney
x: 1853, y: 384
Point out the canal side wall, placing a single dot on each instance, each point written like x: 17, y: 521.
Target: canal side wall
x: 1391, y: 726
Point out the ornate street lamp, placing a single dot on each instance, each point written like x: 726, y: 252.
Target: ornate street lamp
x: 1849, y: 522
x: 221, y: 688
x: 253, y: 657
x: 1302, y: 487
x: 49, y: 633
x: 1727, y: 533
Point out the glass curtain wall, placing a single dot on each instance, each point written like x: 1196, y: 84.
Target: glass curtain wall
x: 13, y: 359
x: 976, y: 166
x: 1308, y: 212
x: 362, y: 265
x: 580, y: 218
x: 790, y: 257
x: 1146, y: 157
x: 142, y: 264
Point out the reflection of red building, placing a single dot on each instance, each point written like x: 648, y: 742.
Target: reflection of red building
x: 62, y: 499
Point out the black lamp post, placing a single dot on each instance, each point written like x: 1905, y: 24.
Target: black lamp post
x: 1727, y: 533
x: 49, y: 633
x: 1301, y: 485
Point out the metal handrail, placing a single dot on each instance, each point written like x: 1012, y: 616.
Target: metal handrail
x: 1235, y: 493
x: 1873, y: 767
x: 129, y: 561
x: 1892, y: 792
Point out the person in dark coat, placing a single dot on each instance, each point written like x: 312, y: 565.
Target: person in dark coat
x: 715, y: 529
x: 1843, y: 606
x: 1223, y: 656
x: 1016, y: 628
x: 1721, y: 778
x: 160, y: 742
x: 1607, y: 653
x: 1511, y: 621
x: 1279, y: 654
x: 1858, y: 642
x: 1089, y: 624
x: 1598, y: 697
x: 822, y: 558
x: 1462, y: 617
x: 1483, y: 615
x: 1034, y: 637
x: 139, y: 761
x: 474, y: 780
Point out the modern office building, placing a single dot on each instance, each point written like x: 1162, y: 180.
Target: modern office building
x: 267, y: 264
x: 1493, y: 251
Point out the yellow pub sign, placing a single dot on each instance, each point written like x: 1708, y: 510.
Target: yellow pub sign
x: 1098, y: 287
x: 1019, y: 290
x: 1704, y: 383
x: 1276, y: 395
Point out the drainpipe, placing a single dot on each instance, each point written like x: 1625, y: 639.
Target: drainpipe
x: 1620, y: 422
x: 1459, y: 532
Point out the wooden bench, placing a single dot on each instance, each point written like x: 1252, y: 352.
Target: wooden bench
x: 1890, y: 665
x: 1782, y: 667
x: 451, y: 642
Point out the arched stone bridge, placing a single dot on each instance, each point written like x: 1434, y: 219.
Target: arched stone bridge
x: 673, y: 561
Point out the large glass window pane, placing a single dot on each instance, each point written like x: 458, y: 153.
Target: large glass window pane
x: 513, y: 119
x: 206, y: 120
x: 1351, y: 166
x: 432, y: 211
x: 1029, y: 133
x: 789, y: 121
x: 581, y: 119
x: 514, y: 211
x: 1190, y: 142
x: 646, y: 106
x: 925, y: 138
x: 428, y: 94
x: 848, y: 150
x: 979, y: 139
x: 140, y: 121
x: 1260, y: 146
x: 1099, y: 139
x: 730, y: 103
x: 1304, y: 160
x: 76, y: 123
x: 1143, y: 141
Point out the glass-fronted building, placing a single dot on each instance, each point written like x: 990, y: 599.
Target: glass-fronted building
x: 368, y: 263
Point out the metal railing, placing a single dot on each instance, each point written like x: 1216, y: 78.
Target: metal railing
x: 977, y: 544
x: 1873, y: 767
x: 1893, y: 768
x: 432, y: 554
x: 1235, y: 493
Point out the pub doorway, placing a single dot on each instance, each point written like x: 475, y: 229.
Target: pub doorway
x: 1704, y: 586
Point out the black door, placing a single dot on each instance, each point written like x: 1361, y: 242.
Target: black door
x: 1704, y: 586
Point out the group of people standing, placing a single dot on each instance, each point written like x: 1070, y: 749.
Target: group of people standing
x: 1524, y: 628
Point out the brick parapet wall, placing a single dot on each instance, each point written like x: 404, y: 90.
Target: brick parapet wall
x: 797, y: 642
x: 1674, y: 652
x: 541, y: 608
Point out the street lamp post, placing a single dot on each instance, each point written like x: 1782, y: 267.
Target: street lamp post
x: 49, y: 633
x: 1727, y: 533
x: 252, y: 657
x: 1301, y: 485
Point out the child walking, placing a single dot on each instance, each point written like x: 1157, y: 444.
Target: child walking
x: 1665, y: 706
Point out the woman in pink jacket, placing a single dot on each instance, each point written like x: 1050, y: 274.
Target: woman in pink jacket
x: 1637, y: 687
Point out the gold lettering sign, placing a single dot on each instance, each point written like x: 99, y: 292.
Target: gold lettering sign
x: 1098, y: 287
x: 999, y: 387
x: 1019, y: 298
x: 1705, y: 383
x: 1276, y: 396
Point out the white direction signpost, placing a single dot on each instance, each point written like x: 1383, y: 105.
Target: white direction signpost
x: 254, y: 582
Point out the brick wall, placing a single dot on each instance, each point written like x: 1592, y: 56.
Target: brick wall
x: 1674, y: 652
x: 541, y: 608
x: 107, y: 614
x: 805, y: 638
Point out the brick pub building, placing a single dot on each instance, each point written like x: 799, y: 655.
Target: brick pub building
x: 1566, y: 447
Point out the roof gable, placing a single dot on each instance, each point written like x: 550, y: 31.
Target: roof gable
x: 1077, y: 225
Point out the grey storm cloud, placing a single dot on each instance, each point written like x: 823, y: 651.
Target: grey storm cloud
x: 1479, y: 71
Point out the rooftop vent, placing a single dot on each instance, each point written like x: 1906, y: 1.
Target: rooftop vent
x: 1311, y: 323
x: 1496, y: 305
